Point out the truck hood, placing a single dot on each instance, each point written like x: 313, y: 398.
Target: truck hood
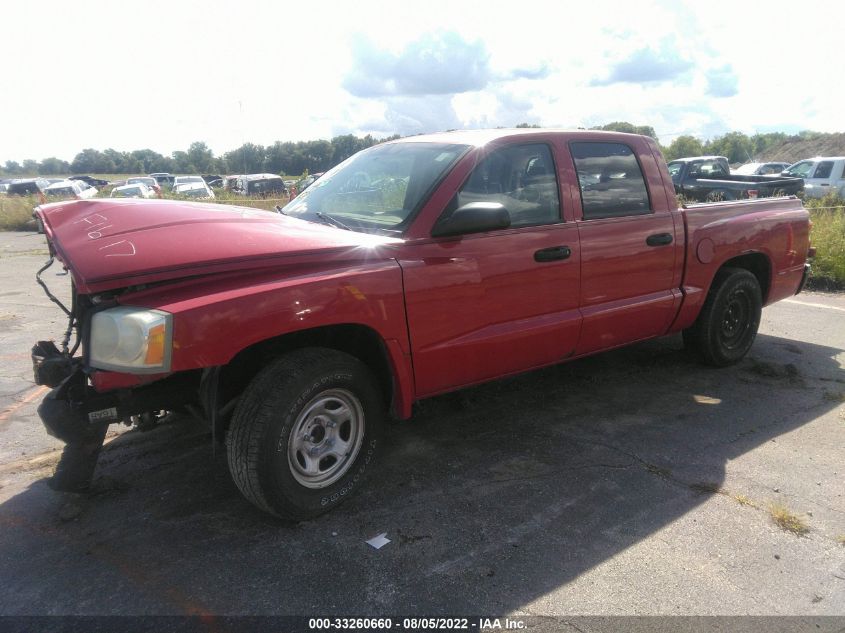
x: 108, y: 244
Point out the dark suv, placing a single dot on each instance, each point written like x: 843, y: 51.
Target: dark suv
x: 28, y: 187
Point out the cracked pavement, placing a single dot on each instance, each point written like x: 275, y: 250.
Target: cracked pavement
x: 631, y: 483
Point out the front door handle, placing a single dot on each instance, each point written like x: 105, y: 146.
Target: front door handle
x: 552, y: 254
x: 659, y: 239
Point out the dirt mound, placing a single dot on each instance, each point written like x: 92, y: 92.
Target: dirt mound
x: 800, y: 147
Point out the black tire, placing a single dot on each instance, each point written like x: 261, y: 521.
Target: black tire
x: 728, y: 322
x: 281, y: 442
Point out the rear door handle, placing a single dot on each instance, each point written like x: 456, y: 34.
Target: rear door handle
x: 552, y: 254
x: 659, y: 239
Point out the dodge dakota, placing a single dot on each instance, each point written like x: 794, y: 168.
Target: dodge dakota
x: 414, y: 268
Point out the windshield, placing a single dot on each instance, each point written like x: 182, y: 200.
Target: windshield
x: 127, y: 192
x: 379, y: 189
x: 801, y: 170
x: 749, y: 169
x: 60, y: 191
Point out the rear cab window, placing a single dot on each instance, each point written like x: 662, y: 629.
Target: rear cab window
x: 610, y: 180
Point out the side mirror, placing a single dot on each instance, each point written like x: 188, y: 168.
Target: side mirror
x: 473, y: 217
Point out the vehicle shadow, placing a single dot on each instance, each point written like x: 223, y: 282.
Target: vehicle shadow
x: 492, y: 497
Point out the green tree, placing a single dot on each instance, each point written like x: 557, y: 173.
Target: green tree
x: 628, y: 128
x: 247, y: 159
x: 682, y: 147
x: 182, y: 163
x: 201, y: 157
x: 736, y: 146
x: 91, y: 161
x: 30, y: 167
x: 12, y: 168
x: 53, y: 166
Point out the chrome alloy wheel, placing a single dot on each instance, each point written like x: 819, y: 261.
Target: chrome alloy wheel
x: 326, y: 438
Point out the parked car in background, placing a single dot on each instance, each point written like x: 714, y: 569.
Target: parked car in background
x: 27, y: 187
x: 213, y: 180
x: 92, y: 182
x: 230, y: 183
x: 306, y: 182
x: 181, y: 180
x: 708, y: 179
x: 151, y: 182
x: 822, y: 175
x: 136, y: 190
x: 193, y: 189
x: 263, y: 185
x: 163, y: 179
x: 78, y: 189
x: 760, y: 169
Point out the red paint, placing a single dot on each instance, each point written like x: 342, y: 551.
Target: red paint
x: 451, y: 311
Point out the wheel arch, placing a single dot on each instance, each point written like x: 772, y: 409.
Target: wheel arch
x: 359, y: 341
x: 756, y: 263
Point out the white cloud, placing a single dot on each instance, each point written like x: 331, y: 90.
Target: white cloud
x: 100, y: 77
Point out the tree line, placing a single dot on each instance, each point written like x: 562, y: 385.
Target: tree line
x: 278, y: 158
x: 317, y: 156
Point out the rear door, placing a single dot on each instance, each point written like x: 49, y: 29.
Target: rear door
x: 489, y: 304
x: 631, y: 246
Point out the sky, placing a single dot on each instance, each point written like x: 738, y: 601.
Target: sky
x: 161, y: 75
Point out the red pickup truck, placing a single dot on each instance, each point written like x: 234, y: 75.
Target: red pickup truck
x: 414, y: 268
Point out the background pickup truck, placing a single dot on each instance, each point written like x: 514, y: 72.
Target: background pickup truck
x: 414, y: 268
x: 708, y: 178
x: 822, y: 175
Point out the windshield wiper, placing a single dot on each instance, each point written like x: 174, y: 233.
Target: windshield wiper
x: 331, y: 220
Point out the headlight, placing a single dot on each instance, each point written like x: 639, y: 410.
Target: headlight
x: 132, y: 340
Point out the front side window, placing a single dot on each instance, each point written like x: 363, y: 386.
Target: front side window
x: 610, y: 179
x: 522, y: 179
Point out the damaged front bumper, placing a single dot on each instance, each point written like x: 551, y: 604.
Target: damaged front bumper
x: 77, y: 414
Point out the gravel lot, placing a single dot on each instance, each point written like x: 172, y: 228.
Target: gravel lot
x: 635, y: 482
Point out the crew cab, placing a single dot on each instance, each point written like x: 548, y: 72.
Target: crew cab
x: 709, y: 178
x: 413, y: 268
x: 822, y: 175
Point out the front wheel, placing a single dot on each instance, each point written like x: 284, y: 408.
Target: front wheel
x: 728, y: 322
x: 306, y: 432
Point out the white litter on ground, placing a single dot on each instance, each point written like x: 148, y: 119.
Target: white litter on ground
x: 379, y: 541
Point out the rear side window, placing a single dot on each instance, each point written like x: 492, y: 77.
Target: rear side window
x: 610, y: 179
x: 824, y: 169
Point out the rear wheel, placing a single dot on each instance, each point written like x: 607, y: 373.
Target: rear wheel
x: 305, y: 433
x: 728, y: 322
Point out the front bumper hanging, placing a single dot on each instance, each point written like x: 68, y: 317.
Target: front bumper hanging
x: 79, y: 416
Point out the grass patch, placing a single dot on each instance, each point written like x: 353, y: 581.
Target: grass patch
x: 788, y: 521
x: 828, y: 237
x: 744, y: 501
x: 15, y: 213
